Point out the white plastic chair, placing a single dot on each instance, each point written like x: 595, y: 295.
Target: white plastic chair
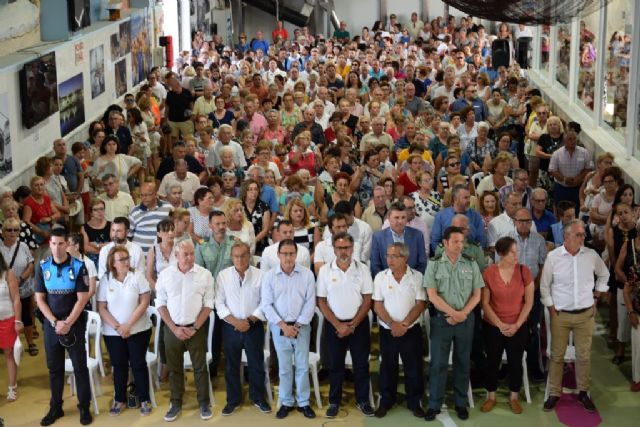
x: 428, y: 329
x: 152, y: 357
x: 569, y: 354
x: 93, y: 322
x: 92, y: 334
x: 348, y: 361
x: 267, y: 359
x: 187, y: 357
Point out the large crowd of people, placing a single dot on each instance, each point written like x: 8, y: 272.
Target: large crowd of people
x: 391, y: 186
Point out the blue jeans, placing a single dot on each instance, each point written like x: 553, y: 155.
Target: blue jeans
x: 442, y: 336
x: 293, y: 351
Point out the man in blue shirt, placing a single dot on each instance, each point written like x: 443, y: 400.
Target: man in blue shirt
x: 542, y: 218
x: 461, y: 202
x: 288, y: 297
x: 471, y: 100
x: 260, y: 43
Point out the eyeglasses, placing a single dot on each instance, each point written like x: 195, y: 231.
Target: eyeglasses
x: 11, y: 230
x: 523, y: 221
x: 453, y: 165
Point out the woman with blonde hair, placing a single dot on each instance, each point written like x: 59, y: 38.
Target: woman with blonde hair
x: 305, y: 228
x: 500, y: 167
x: 181, y: 220
x: 302, y: 156
x: 238, y: 225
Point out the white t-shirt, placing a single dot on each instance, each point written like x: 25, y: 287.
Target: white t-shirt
x: 344, y: 289
x: 398, y: 298
x: 122, y: 298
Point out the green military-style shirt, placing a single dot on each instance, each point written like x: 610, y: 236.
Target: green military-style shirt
x: 455, y: 283
x: 213, y: 256
x: 471, y: 251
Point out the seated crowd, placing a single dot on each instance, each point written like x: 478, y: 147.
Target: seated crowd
x: 393, y: 183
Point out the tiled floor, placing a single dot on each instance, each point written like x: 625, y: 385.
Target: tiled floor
x: 617, y: 405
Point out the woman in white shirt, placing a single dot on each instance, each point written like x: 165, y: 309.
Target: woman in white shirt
x: 238, y: 225
x: 123, y: 299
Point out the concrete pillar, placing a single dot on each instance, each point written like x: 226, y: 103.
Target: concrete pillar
x: 185, y: 26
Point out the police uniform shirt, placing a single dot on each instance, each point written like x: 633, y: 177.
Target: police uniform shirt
x: 61, y: 282
x: 455, y: 283
x: 398, y: 298
x: 344, y: 289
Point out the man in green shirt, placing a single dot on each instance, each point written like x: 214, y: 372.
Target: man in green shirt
x: 341, y: 34
x: 453, y: 284
x: 215, y: 256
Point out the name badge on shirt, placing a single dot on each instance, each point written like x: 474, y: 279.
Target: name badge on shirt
x: 47, y: 275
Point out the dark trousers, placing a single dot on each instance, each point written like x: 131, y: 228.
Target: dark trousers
x: 443, y: 335
x: 560, y: 193
x: 534, y: 362
x: 197, y: 348
x: 253, y: 343
x: 125, y: 353
x: 55, y: 363
x: 409, y: 348
x: 478, y: 353
x: 496, y: 344
x: 216, y: 345
x: 359, y: 344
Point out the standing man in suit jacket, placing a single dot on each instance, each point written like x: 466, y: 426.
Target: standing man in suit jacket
x: 398, y: 232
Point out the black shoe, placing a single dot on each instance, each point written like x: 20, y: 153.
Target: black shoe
x: 85, y: 415
x: 381, y: 412
x: 132, y: 401
x: 366, y: 409
x: 332, y: 411
x: 551, y: 403
x: 263, y: 406
x: 323, y: 374
x: 463, y: 412
x: 617, y: 360
x: 418, y: 412
x: 283, y: 411
x: 431, y: 414
x: 585, y: 400
x: 307, y: 412
x: 228, y: 409
x: 52, y: 416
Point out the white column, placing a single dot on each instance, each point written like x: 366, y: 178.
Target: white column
x: 574, y: 63
x: 632, y: 99
x: 170, y: 26
x: 600, y: 65
x: 185, y: 26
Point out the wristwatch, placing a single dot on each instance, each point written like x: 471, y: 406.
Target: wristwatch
x: 194, y: 327
x: 54, y: 323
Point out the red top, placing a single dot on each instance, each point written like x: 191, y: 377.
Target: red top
x: 307, y: 161
x: 407, y: 184
x: 39, y: 211
x: 283, y: 32
x: 507, y: 300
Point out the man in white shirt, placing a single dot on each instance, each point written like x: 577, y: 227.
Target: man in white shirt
x: 399, y: 300
x: 188, y: 181
x: 324, y: 96
x: 116, y: 203
x: 567, y: 290
x: 118, y: 234
x: 358, y: 229
x: 225, y: 132
x: 503, y: 225
x: 344, y: 297
x: 324, y: 253
x: 270, y: 258
x: 238, y: 305
x: 185, y: 298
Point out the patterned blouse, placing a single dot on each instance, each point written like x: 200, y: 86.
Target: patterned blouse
x: 255, y: 217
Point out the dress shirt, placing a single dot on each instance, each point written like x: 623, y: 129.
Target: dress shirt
x: 238, y: 297
x: 419, y: 224
x: 136, y: 261
x: 502, y: 226
x: 567, y: 280
x: 270, y: 258
x: 532, y: 251
x: 120, y: 205
x: 399, y: 298
x: 184, y: 294
x: 288, y: 297
x: 570, y: 165
x: 344, y: 289
x: 443, y: 220
x: 362, y: 234
x: 215, y: 256
x: 189, y: 185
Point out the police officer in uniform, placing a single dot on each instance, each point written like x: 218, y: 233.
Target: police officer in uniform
x: 453, y: 283
x: 62, y: 293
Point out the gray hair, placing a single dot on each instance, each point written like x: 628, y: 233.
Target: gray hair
x: 183, y: 244
x: 181, y: 162
x: 107, y: 176
x: 402, y: 247
x: 260, y: 170
x: 341, y: 236
x: 566, y: 229
x: 225, y: 149
x: 540, y: 190
x: 518, y: 172
x: 170, y: 186
x: 484, y: 125
x: 240, y: 244
x: 225, y: 126
x: 457, y: 189
x: 460, y: 217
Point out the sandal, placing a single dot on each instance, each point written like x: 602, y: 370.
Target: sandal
x: 33, y: 350
x: 35, y: 332
x: 12, y: 393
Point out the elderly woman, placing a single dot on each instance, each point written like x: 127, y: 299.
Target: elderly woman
x: 38, y: 212
x: 10, y: 324
x: 227, y: 164
x: 10, y: 209
x: 592, y: 184
x: 507, y: 299
x: 500, y: 168
x: 238, y: 225
x: 18, y: 259
x: 257, y: 212
x: 274, y: 132
x: 549, y: 142
x: 302, y: 156
x: 468, y: 129
x: 110, y: 161
x: 366, y: 177
x: 123, y: 298
x: 221, y: 116
x: 182, y: 220
x: 264, y: 159
x: 290, y: 114
x: 480, y: 150
x: 203, y: 205
x: 427, y: 200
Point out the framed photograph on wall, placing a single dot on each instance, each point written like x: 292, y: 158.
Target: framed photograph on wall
x: 71, y: 101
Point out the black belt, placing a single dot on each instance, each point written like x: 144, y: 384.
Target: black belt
x: 185, y: 326
x: 345, y: 320
x: 580, y: 311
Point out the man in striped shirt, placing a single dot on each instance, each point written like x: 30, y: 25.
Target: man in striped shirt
x: 145, y: 217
